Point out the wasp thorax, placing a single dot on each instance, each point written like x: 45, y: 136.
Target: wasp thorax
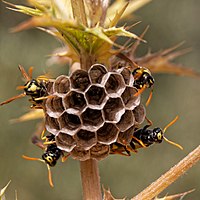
x: 92, y: 109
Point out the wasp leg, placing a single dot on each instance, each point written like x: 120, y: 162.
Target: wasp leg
x: 64, y: 158
x: 149, y: 98
x: 150, y: 123
x: 131, y: 149
x: 140, y: 91
x: 40, y: 130
x: 121, y: 153
x: 36, y: 107
x: 43, y: 98
x: 42, y: 135
x: 139, y: 141
x: 49, y: 142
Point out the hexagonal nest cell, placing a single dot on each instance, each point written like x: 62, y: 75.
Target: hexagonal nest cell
x: 92, y: 118
x: 61, y: 85
x: 54, y: 106
x: 74, y: 101
x: 52, y: 124
x: 69, y: 123
x: 85, y: 139
x: 127, y: 120
x: 81, y: 154
x: 96, y: 73
x: 126, y: 136
x: 139, y: 114
x: 113, y: 110
x: 89, y: 110
x: 49, y: 87
x: 96, y: 96
x: 99, y: 151
x: 127, y: 75
x: 130, y: 98
x: 114, y: 84
x: 80, y: 80
x: 65, y: 142
x: 107, y: 134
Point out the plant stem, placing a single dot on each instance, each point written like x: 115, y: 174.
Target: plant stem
x: 170, y: 176
x: 78, y: 9
x: 90, y: 180
x: 86, y: 60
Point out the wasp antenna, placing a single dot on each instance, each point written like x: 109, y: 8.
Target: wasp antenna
x: 24, y: 74
x: 12, y: 99
x: 171, y: 123
x: 135, y: 64
x: 127, y: 59
x: 21, y: 87
x: 30, y: 72
x: 173, y: 143
x: 50, y: 176
x: 149, y: 98
x: 48, y: 167
x: 30, y: 158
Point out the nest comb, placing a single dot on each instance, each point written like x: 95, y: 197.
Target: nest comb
x: 91, y: 110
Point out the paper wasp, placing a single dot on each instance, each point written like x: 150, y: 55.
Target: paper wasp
x: 51, y: 153
x: 35, y: 88
x: 142, y: 80
x: 142, y: 138
x: 142, y: 76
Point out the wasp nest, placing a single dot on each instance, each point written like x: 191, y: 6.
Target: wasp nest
x: 90, y: 110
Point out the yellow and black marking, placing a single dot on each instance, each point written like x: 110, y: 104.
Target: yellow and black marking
x: 35, y: 88
x: 142, y: 138
x: 51, y: 152
x: 142, y: 78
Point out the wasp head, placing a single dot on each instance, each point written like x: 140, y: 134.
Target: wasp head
x: 50, y: 158
x: 34, y: 88
x: 143, y: 78
x: 157, y: 135
x: 51, y: 155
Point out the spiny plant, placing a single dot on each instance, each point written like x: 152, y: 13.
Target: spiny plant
x: 95, y: 110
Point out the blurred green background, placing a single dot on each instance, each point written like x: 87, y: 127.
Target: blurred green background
x: 170, y: 22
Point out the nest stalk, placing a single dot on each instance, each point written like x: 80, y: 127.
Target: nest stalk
x: 90, y: 180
